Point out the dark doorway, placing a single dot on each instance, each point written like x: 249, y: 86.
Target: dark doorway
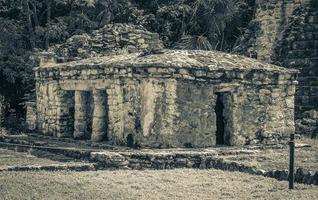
x: 69, y: 112
x: 219, y: 108
x: 89, y: 114
x: 130, y: 140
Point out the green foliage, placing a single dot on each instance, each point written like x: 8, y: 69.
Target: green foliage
x: 27, y: 25
x: 220, y: 21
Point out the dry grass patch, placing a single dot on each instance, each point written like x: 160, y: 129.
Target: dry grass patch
x: 11, y: 158
x: 270, y: 159
x: 148, y: 184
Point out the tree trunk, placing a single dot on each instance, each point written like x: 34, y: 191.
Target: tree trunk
x: 48, y: 19
x: 27, y: 13
x: 35, y: 16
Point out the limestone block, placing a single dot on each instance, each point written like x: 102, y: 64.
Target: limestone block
x: 200, y: 73
x: 100, y: 116
x: 215, y: 75
x: 30, y: 115
x: 265, y: 96
x: 82, y: 114
x: 290, y: 102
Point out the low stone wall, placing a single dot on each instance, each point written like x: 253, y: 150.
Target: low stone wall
x: 139, y: 160
x: 192, y: 160
x: 83, y: 167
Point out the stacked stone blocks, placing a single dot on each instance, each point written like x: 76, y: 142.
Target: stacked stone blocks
x: 165, y: 104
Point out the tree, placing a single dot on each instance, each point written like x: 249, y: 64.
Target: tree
x: 48, y: 20
x: 32, y: 25
x: 27, y: 13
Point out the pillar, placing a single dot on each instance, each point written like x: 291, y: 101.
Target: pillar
x: 81, y: 116
x: 100, y: 116
x: 65, y: 114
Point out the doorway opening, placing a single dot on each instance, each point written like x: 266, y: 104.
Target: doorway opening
x: 220, y: 124
x: 130, y: 140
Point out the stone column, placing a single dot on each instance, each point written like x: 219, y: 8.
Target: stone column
x: 65, y: 114
x: 81, y: 114
x: 100, y: 116
x: 30, y: 115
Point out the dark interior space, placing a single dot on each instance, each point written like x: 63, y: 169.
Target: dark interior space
x: 130, y: 140
x: 219, y: 120
x: 105, y: 106
x: 69, y: 96
x: 89, y: 118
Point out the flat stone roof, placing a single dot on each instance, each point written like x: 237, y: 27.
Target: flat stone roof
x: 196, y: 59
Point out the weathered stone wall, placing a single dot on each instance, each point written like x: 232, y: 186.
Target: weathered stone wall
x: 55, y: 109
x: 31, y: 113
x: 298, y: 49
x: 196, y: 121
x: 285, y: 33
x: 265, y: 112
x: 165, y: 105
x: 266, y: 27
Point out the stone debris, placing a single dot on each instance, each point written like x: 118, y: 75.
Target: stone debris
x: 110, y: 40
x: 301, y: 145
x: 176, y: 59
x: 308, y: 124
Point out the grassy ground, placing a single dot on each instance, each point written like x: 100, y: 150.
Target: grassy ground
x: 155, y: 184
x: 265, y: 158
x: 269, y: 159
x: 11, y: 158
x: 148, y: 184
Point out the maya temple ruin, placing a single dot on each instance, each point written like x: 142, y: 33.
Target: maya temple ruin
x: 120, y: 85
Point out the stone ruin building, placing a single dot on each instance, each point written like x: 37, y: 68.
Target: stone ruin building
x: 286, y: 33
x: 142, y: 94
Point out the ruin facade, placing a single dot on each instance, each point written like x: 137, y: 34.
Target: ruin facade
x: 165, y: 98
x: 286, y: 33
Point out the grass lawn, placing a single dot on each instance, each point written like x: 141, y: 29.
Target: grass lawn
x: 148, y: 184
x: 269, y: 159
x: 181, y: 184
x: 10, y: 158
